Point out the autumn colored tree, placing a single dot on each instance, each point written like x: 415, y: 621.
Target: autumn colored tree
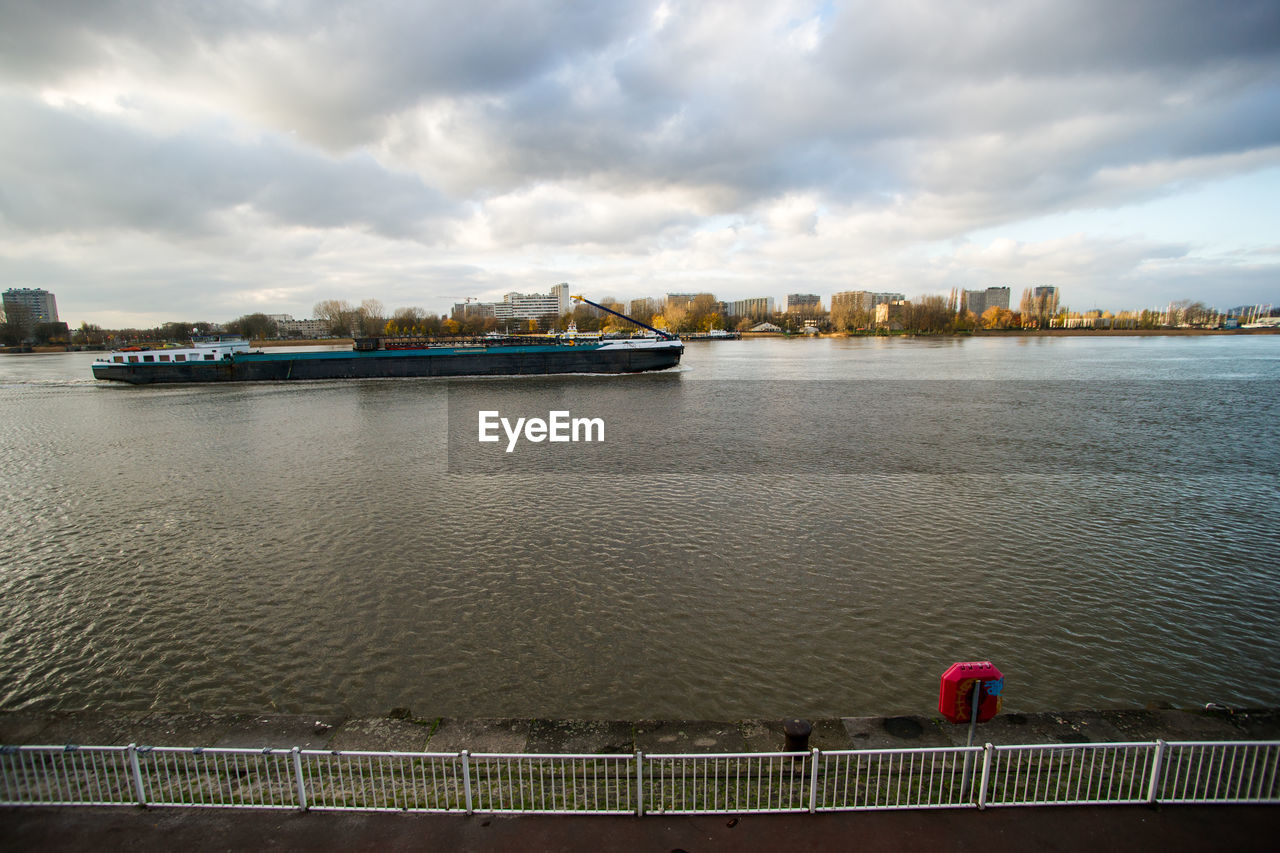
x: 90, y: 335
x: 408, y: 321
x: 849, y: 318
x: 1037, y: 311
x: 996, y: 317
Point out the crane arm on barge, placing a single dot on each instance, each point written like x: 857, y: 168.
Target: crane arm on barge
x: 667, y: 336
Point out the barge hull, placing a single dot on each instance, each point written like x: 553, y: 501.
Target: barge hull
x: 276, y: 367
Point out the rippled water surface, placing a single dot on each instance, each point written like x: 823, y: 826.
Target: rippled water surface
x: 779, y: 527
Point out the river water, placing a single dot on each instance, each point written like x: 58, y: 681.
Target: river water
x: 777, y: 528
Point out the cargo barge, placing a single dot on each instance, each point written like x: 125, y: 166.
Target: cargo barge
x: 228, y: 358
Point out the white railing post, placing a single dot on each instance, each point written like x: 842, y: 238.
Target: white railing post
x: 1156, y: 766
x: 813, y: 782
x: 987, y: 751
x: 297, y: 775
x: 639, y: 783
x: 466, y: 779
x: 137, y: 774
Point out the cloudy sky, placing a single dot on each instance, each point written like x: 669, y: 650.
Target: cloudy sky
x: 183, y: 161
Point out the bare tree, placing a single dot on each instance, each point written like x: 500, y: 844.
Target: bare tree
x: 338, y: 314
x: 1191, y: 313
x: 369, y: 317
x: 18, y: 325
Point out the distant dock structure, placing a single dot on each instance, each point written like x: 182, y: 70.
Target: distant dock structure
x: 713, y: 335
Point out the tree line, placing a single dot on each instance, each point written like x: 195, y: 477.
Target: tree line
x: 700, y: 313
x: 18, y: 326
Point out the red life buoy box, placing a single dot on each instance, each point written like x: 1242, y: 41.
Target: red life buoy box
x: 955, y: 699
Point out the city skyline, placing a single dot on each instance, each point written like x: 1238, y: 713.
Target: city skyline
x: 1037, y: 304
x: 180, y: 162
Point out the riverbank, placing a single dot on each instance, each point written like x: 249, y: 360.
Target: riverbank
x: 1061, y: 333
x: 1117, y: 333
x: 1025, y: 333
x: 402, y: 731
x: 977, y: 333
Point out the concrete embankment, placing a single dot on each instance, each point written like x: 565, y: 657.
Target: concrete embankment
x: 401, y: 730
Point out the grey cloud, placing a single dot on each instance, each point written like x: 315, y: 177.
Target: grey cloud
x: 339, y: 84
x: 45, y: 42
x: 1049, y: 38
x: 1062, y: 91
x: 729, y: 113
x: 330, y: 70
x: 564, y: 222
x: 943, y: 117
x: 65, y: 170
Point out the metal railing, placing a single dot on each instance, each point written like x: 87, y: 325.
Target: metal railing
x: 1234, y: 771
x: 858, y: 780
x: 1071, y: 774
x: 727, y: 783
x: 734, y: 783
x: 550, y: 784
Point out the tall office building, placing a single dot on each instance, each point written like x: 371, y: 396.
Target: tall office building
x: 863, y: 300
x: 851, y: 300
x: 645, y: 307
x: 676, y: 301
x: 463, y: 310
x: 803, y: 302
x: 979, y: 301
x: 30, y: 305
x: 761, y: 306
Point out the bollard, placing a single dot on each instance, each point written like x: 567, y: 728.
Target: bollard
x: 797, y: 732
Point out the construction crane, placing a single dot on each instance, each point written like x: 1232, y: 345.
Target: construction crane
x: 666, y: 336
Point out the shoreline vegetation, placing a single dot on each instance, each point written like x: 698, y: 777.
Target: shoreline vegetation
x: 1019, y: 333
x: 692, y: 315
x: 976, y: 333
x: 980, y: 333
x: 1052, y: 333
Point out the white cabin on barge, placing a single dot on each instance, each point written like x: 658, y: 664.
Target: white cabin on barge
x: 203, y: 348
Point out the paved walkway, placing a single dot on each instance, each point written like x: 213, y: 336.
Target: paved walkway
x: 1124, y: 829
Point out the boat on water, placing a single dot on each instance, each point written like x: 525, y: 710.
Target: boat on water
x: 230, y: 358
x: 712, y: 335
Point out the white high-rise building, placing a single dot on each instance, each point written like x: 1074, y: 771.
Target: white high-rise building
x: 531, y: 306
